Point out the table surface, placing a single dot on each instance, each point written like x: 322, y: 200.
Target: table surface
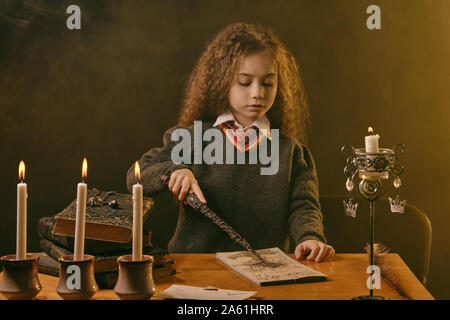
x: 346, y: 273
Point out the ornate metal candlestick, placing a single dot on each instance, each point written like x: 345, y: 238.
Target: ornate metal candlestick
x: 372, y: 168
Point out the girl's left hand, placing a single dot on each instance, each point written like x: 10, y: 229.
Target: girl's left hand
x: 314, y: 250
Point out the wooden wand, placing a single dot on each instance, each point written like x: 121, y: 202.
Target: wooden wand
x: 193, y: 201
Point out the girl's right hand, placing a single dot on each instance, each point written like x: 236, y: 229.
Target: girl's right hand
x: 183, y: 181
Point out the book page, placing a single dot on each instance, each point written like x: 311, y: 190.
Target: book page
x: 281, y: 268
x: 176, y: 291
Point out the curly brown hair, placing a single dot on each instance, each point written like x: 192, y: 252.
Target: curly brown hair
x: 206, y: 93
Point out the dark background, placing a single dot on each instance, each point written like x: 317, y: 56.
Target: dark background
x: 109, y: 90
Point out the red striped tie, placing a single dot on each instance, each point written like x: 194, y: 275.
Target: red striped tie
x: 239, y: 138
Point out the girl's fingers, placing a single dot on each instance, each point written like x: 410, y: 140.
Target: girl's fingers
x: 330, y: 253
x: 184, y: 189
x: 198, y: 192
x: 172, y: 181
x: 322, y: 253
x: 299, y: 252
x: 314, y: 251
x: 177, y: 185
x: 187, y: 183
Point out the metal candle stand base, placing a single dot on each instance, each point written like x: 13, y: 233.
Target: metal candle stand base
x: 20, y: 279
x: 372, y: 168
x: 76, y: 278
x: 135, y: 281
x: 370, y: 298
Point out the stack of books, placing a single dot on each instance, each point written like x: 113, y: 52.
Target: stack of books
x: 108, y: 235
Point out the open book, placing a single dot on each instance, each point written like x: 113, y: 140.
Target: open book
x: 282, y: 269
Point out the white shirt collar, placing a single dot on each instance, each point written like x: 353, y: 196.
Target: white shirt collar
x: 262, y: 123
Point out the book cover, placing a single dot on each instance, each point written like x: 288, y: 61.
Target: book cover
x: 47, y: 265
x: 109, y: 216
x: 282, y: 269
x: 95, y: 247
x: 104, y: 263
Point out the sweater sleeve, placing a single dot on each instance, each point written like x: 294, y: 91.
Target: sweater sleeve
x: 305, y: 220
x: 155, y: 163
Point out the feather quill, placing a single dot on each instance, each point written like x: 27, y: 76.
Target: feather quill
x: 379, y: 259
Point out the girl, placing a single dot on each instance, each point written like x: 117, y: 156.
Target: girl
x: 246, y: 78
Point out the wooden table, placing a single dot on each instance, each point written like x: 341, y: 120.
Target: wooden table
x: 347, y: 278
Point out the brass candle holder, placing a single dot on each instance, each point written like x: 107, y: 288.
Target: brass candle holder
x: 372, y: 168
x: 76, y: 278
x: 135, y: 280
x: 20, y: 279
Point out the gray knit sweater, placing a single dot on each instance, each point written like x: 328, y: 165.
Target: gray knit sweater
x: 264, y: 209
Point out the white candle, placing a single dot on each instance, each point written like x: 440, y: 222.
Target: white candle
x: 22, y: 195
x: 372, y: 142
x: 137, y: 216
x: 81, y: 216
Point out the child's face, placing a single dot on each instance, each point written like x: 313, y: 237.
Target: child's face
x: 254, y: 88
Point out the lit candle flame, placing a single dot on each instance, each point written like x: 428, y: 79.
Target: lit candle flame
x: 22, y: 171
x: 370, y: 130
x: 137, y: 171
x: 84, y: 170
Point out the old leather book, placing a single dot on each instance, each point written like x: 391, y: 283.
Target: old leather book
x: 95, y: 247
x: 109, y: 216
x: 106, y: 262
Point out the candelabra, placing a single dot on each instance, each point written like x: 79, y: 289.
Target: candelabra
x: 372, y: 168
